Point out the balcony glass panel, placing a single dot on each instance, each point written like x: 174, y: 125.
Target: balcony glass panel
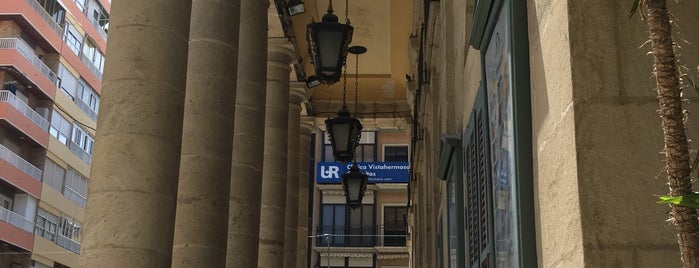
x: 19, y: 163
x: 7, y: 97
x: 16, y: 220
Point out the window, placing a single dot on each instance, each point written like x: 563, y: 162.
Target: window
x: 73, y: 38
x: 60, y: 127
x: 46, y: 225
x: 365, y: 152
x: 100, y: 15
x: 394, y: 225
x: 82, y: 139
x: 68, y: 81
x: 5, y: 202
x: 347, y: 227
x: 81, y: 5
x: 36, y: 264
x: 395, y: 153
x: 70, y: 228
x: 53, y: 175
x: 333, y: 223
x: 92, y: 54
x: 75, y: 187
x: 54, y: 9
x: 69, y: 232
x: 88, y: 96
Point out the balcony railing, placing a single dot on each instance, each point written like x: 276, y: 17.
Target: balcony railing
x: 16, y: 220
x: 20, y: 163
x: 360, y: 236
x: 28, y: 53
x: 45, y: 15
x: 99, y: 28
x: 86, y: 108
x: 68, y: 243
x: 7, y: 97
x: 90, y: 65
x: 74, y: 196
x: 85, y: 156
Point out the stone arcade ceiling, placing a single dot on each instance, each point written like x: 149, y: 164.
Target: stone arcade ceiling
x: 384, y: 28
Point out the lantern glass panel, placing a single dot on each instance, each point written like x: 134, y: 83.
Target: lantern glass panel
x: 341, y: 135
x: 353, y: 188
x: 330, y: 44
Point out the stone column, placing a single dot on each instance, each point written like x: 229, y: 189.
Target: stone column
x: 297, y: 95
x: 307, y: 128
x: 248, y: 137
x: 272, y: 213
x: 133, y: 184
x: 207, y: 136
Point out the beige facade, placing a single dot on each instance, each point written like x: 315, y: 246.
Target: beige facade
x: 595, y: 133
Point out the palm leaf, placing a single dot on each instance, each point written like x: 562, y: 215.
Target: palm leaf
x: 633, y: 8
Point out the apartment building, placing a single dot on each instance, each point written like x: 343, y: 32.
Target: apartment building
x: 51, y: 63
x: 374, y: 234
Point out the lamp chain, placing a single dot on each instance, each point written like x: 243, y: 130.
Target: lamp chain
x: 344, y: 86
x: 347, y: 12
x: 356, y: 84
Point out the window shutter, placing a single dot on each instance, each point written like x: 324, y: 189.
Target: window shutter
x: 478, y: 188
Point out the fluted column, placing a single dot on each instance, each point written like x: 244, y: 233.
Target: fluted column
x: 307, y: 128
x: 297, y: 95
x: 130, y: 213
x: 272, y: 213
x: 248, y: 137
x: 207, y: 136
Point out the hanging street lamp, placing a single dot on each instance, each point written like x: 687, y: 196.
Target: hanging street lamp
x: 327, y: 45
x: 345, y: 132
x: 354, y: 184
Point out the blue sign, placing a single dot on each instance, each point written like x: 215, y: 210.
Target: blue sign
x: 379, y: 172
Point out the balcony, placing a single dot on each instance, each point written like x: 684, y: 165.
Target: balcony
x: 34, y: 21
x: 99, y: 28
x: 19, y: 172
x: 82, y: 154
x: 14, y: 52
x: 46, y: 17
x: 85, y: 108
x: 88, y: 63
x: 16, y: 220
x: 15, y: 235
x: 360, y: 236
x: 24, y: 117
x: 68, y: 243
x: 74, y: 196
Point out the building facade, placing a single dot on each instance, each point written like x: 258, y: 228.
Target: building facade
x: 374, y: 234
x: 51, y: 63
x: 539, y: 141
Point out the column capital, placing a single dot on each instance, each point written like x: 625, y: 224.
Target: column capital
x: 297, y: 93
x: 280, y: 52
x: 307, y: 125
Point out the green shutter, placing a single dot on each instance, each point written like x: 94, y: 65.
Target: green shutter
x: 478, y: 189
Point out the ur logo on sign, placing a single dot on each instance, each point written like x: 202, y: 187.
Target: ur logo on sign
x: 329, y: 172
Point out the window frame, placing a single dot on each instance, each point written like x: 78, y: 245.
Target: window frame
x: 395, y: 145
